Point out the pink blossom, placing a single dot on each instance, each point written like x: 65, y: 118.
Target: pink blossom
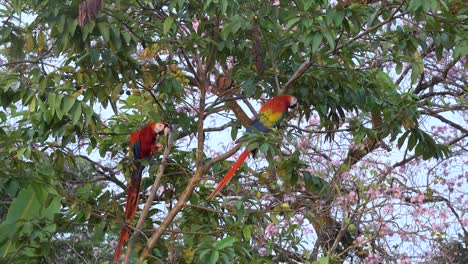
x: 360, y: 239
x: 276, y: 158
x: 96, y: 251
x: 396, y: 192
x: 303, y: 143
x: 346, y: 175
x: 308, y: 231
x: 299, y: 218
x: 335, y: 163
x: 195, y: 24
x: 389, y: 208
x: 372, y: 258
x: 270, y: 230
x: 373, y: 193
x: 405, y: 259
x: 438, y: 227
x: 444, y: 215
x: 403, y: 236
x: 314, y: 121
x: 419, y: 198
x: 276, y: 2
x: 465, y: 222
x: 289, y: 199
x: 262, y: 251
x: 385, y: 230
x: 352, y: 197
x: 113, y: 244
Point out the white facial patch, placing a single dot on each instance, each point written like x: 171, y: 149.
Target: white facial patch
x: 292, y: 101
x: 160, y: 127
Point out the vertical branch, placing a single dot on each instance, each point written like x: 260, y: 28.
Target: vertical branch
x: 200, y: 170
x: 150, y: 199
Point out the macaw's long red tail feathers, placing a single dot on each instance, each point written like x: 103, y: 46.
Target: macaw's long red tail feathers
x: 133, y: 192
x: 229, y: 175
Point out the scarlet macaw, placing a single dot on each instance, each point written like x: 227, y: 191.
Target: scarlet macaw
x: 271, y: 114
x: 143, y: 145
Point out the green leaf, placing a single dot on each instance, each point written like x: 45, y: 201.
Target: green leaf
x: 214, y: 257
x: 51, y: 102
x: 234, y: 130
x: 67, y: 103
x: 247, y: 231
x: 58, y: 106
x: 76, y: 112
x: 316, y: 41
x: 61, y: 23
x: 402, y: 139
x: 168, y: 22
x: 226, y: 242
x: 24, y: 207
x: 322, y: 260
x: 224, y: 5
x: 308, y: 4
x: 292, y: 22
x: 104, y: 30
x: 331, y: 41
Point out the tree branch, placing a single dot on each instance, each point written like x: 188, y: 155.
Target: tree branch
x: 150, y: 198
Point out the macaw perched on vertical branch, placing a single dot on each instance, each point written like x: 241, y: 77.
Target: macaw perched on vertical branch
x: 271, y: 114
x: 143, y: 145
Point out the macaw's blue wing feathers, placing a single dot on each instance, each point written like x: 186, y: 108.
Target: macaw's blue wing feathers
x: 136, y: 149
x: 258, y: 126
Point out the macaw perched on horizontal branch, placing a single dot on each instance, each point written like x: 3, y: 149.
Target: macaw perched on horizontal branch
x: 143, y: 145
x: 271, y: 114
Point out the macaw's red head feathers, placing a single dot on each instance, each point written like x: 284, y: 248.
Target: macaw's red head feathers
x: 160, y: 128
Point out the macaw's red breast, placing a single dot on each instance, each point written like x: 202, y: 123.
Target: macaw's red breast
x: 143, y: 141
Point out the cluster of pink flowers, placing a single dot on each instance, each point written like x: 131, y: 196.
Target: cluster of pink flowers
x: 373, y: 258
x: 418, y: 198
x: 438, y: 227
x: 395, y: 192
x: 373, y: 193
x: 465, y: 222
x: 405, y: 259
x: 262, y: 251
x: 270, y: 230
x: 299, y: 219
x: 314, y: 121
x: 113, y: 243
x: 303, y: 143
x: 360, y: 240
x: 346, y: 175
x: 289, y: 199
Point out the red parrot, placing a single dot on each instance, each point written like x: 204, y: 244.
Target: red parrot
x: 143, y: 145
x: 271, y: 114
